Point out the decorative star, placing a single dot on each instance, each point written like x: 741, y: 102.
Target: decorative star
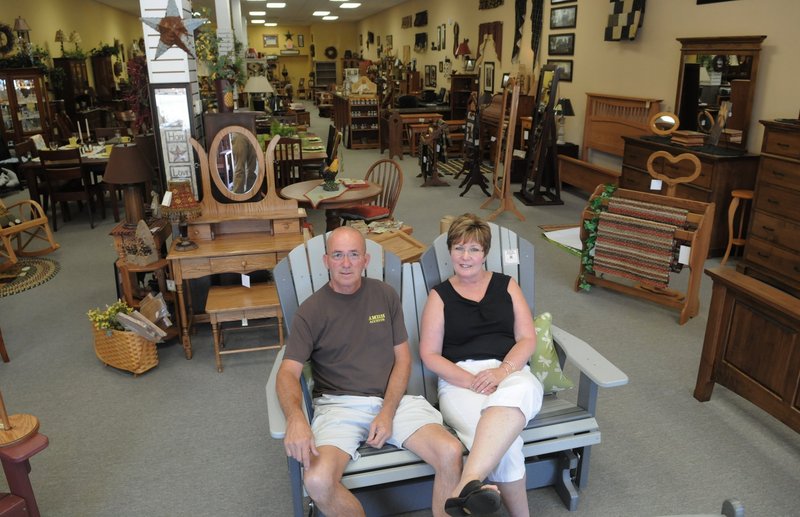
x: 174, y: 30
x: 178, y: 154
x: 288, y: 35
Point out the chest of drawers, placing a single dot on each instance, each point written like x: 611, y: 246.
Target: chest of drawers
x: 720, y: 174
x: 772, y: 250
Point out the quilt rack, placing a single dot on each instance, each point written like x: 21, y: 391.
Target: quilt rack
x: 696, y: 235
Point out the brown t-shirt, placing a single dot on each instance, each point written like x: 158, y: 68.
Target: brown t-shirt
x: 349, y: 338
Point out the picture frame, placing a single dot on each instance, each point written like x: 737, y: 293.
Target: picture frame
x: 469, y: 65
x: 270, y: 40
x: 561, y: 44
x: 566, y: 66
x: 443, y: 40
x: 564, y: 17
x: 389, y: 41
x: 406, y: 22
x: 556, y: 2
x: 430, y: 76
x: 504, y: 81
x: 488, y: 77
x: 441, y: 66
x: 301, y: 40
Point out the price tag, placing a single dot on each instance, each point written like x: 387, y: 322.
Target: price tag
x: 244, y: 322
x: 525, y: 134
x: 511, y: 256
x: 245, y: 280
x: 171, y: 285
x: 655, y: 184
x: 683, y: 254
x: 167, y: 198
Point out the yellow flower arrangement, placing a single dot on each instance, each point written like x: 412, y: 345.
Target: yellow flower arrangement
x: 107, y: 319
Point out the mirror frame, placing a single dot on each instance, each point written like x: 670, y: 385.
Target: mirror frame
x: 664, y: 132
x: 212, y: 164
x: 738, y: 45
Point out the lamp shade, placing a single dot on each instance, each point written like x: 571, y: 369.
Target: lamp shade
x: 463, y: 49
x: 20, y: 25
x: 60, y: 36
x: 127, y: 165
x: 258, y: 84
x: 566, y: 108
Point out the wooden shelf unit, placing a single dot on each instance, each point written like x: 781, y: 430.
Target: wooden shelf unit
x: 358, y: 116
x: 76, y: 81
x: 461, y: 87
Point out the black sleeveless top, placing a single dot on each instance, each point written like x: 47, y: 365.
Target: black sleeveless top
x: 478, y: 330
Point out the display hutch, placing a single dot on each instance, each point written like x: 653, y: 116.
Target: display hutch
x: 324, y: 76
x: 76, y: 82
x: 24, y: 108
x: 104, y: 83
x: 358, y: 116
x: 461, y: 87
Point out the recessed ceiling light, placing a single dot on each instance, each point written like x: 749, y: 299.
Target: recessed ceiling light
x: 276, y: 5
x: 256, y: 21
x: 257, y: 13
x: 320, y: 13
x: 329, y: 18
x: 350, y: 5
x: 271, y: 24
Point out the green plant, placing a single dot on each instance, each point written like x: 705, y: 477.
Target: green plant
x: 103, y: 49
x: 107, y: 319
x: 229, y: 66
x: 278, y: 129
x: 596, y: 205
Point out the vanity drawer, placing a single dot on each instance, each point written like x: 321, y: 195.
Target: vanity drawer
x: 784, y: 203
x: 780, y: 172
x: 636, y: 156
x: 685, y: 168
x: 776, y: 231
x: 286, y: 226
x: 782, y: 143
x: 242, y: 263
x: 636, y: 180
x: 786, y: 263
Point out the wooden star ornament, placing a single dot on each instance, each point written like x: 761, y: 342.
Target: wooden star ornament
x: 174, y: 30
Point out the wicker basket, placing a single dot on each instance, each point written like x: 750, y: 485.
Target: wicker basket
x: 125, y: 350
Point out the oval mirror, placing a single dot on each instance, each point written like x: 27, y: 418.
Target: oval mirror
x: 705, y: 121
x: 664, y: 123
x: 238, y: 162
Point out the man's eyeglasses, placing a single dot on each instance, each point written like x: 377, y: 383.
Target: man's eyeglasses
x: 472, y: 250
x: 338, y: 256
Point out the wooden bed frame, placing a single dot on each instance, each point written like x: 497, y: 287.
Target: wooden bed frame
x: 608, y: 119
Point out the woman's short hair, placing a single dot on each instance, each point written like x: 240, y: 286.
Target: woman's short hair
x: 469, y: 227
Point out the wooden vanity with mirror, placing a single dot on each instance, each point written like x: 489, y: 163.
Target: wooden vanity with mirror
x: 242, y: 228
x: 730, y: 66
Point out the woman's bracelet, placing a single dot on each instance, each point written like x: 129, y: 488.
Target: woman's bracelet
x: 510, y: 364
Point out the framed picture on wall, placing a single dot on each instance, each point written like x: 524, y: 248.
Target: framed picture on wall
x: 469, y: 65
x: 566, y: 68
x: 389, y: 41
x: 561, y: 44
x: 488, y: 77
x: 564, y: 17
x: 270, y: 40
x: 301, y: 40
x: 554, y: 2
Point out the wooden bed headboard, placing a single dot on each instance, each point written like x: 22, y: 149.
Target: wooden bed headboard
x: 610, y: 117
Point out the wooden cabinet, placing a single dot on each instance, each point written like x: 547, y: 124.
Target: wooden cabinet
x: 104, y: 84
x: 461, y: 86
x: 75, y: 84
x: 752, y: 345
x: 24, y: 108
x: 772, y: 250
x: 720, y: 174
x: 358, y: 116
x: 324, y: 74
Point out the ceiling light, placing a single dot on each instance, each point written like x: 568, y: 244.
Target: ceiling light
x: 257, y: 21
x: 257, y: 13
x: 276, y: 5
x: 270, y: 24
x: 329, y: 18
x: 320, y: 13
x: 350, y: 5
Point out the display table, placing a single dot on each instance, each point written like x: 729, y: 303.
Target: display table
x: 350, y: 198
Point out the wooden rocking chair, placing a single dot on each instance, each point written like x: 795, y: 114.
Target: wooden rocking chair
x: 17, y: 240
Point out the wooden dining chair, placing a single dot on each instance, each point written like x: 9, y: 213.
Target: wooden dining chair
x: 288, y: 161
x: 65, y: 180
x: 389, y: 176
x: 313, y: 169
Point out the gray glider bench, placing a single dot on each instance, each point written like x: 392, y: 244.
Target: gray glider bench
x: 557, y: 441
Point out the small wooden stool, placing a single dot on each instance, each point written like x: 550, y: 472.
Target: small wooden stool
x: 239, y: 303
x: 737, y: 196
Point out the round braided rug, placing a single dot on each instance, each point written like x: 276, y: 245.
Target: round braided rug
x: 27, y: 274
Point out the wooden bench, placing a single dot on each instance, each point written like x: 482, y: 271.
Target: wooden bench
x: 240, y: 303
x: 558, y: 440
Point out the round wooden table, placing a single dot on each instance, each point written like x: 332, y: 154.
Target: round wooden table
x: 349, y: 198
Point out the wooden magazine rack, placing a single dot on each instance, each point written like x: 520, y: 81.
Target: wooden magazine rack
x: 697, y: 237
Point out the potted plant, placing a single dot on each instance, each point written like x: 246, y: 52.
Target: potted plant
x: 226, y: 70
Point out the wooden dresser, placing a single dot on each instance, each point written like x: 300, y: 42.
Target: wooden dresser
x: 772, y: 251
x: 720, y: 175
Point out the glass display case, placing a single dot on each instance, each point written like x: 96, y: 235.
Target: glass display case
x: 23, y: 104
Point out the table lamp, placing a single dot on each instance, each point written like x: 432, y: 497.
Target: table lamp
x: 563, y: 109
x: 258, y: 84
x: 127, y: 166
x: 183, y: 207
x: 22, y: 29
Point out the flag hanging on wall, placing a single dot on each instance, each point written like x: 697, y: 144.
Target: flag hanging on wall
x: 625, y: 19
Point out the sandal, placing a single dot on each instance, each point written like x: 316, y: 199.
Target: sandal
x: 474, y: 499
